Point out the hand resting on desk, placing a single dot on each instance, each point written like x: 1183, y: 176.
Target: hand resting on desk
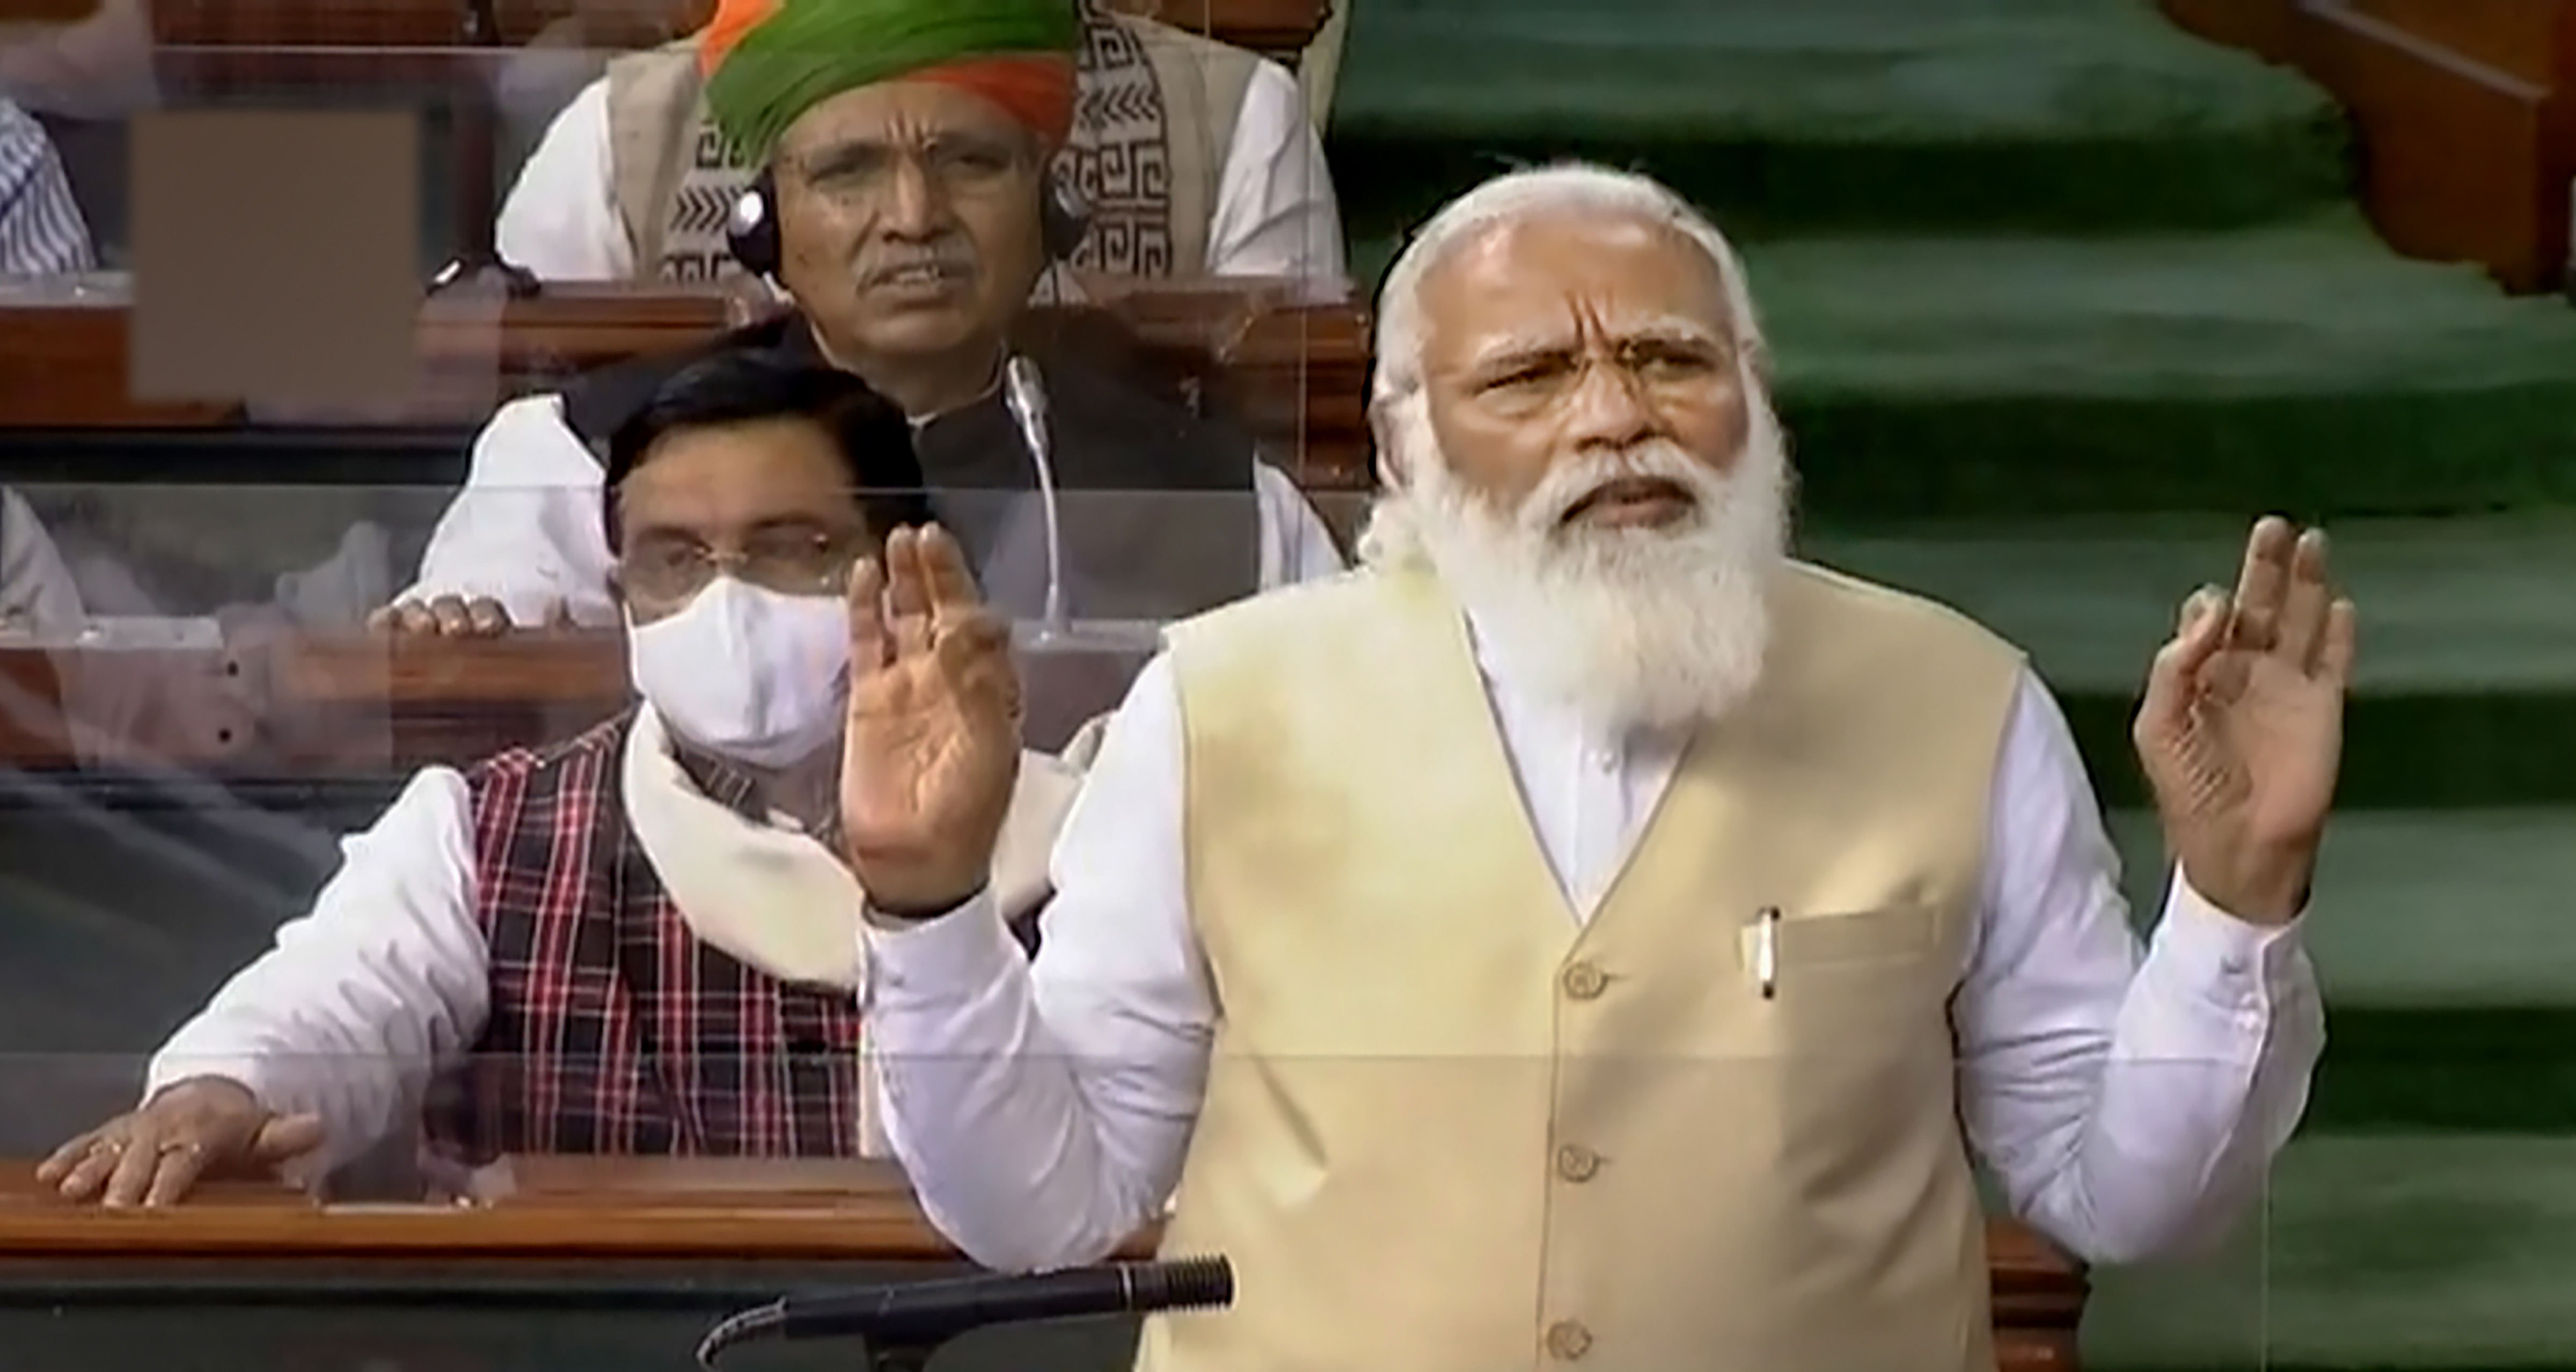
x: 207, y: 1127
x: 453, y: 616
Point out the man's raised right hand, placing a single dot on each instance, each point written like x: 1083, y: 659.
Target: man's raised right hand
x: 932, y: 751
x: 204, y: 1127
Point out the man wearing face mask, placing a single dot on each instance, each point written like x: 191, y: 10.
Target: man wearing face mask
x: 642, y: 940
x: 912, y: 200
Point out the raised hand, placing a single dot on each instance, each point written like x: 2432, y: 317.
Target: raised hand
x: 933, y: 746
x: 2241, y: 732
x: 204, y: 1127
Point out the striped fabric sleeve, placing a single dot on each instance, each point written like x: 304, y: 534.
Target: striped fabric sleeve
x: 41, y: 229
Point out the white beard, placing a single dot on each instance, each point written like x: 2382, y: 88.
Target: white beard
x: 1631, y: 628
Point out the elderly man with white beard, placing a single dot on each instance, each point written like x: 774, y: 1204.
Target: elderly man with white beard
x: 1586, y: 932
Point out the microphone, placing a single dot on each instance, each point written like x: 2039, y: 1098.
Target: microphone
x: 1024, y: 395
x: 904, y: 1322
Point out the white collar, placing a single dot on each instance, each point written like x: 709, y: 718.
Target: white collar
x: 776, y: 899
x: 764, y: 892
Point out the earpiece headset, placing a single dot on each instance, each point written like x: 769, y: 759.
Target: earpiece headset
x: 751, y: 231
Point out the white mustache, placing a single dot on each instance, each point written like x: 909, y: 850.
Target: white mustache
x: 1568, y: 485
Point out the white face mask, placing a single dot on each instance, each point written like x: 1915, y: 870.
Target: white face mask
x: 746, y: 672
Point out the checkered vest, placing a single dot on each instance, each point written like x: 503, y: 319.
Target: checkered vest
x: 613, y: 1028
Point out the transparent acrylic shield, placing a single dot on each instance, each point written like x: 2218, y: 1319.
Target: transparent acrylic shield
x: 184, y: 638
x: 393, y: 1259
x: 571, y: 1207
x: 498, y: 220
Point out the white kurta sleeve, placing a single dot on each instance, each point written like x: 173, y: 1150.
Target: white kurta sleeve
x: 528, y: 530
x: 560, y: 220
x: 1042, y: 1109
x: 367, y: 996
x: 1275, y: 213
x: 2129, y: 1104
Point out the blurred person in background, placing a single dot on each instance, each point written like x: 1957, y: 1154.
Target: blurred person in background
x: 914, y: 199
x: 42, y: 230
x: 640, y: 940
x: 1206, y: 162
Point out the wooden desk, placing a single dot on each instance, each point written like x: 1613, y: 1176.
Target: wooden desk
x: 631, y: 1209
x: 1297, y: 373
x: 632, y: 1212
x: 2465, y: 111
x: 1279, y: 29
x: 308, y: 708
x: 386, y: 704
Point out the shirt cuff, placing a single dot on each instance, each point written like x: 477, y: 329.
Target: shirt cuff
x: 936, y: 961
x: 2243, y: 966
x: 244, y: 1070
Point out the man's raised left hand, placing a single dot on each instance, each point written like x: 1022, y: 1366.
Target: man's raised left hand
x: 2241, y: 732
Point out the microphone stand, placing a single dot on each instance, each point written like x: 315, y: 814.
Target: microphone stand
x: 1024, y: 396
x: 916, y: 1329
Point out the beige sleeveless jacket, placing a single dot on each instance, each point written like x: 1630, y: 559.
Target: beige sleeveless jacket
x: 1450, y: 1127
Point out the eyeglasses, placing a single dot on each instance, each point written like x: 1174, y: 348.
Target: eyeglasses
x: 791, y: 562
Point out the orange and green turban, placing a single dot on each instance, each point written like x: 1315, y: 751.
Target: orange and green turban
x: 768, y: 61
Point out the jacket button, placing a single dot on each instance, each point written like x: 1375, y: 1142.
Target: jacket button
x: 1574, y: 1162
x: 1567, y: 1340
x: 1585, y: 981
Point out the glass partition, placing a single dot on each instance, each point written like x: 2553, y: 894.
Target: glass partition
x: 1230, y: 308
x: 234, y: 631
x: 625, y: 1256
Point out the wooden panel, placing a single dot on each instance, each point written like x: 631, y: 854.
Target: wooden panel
x: 1298, y: 373
x: 13, y: 12
x: 311, y: 23
x: 364, y: 50
x: 68, y: 366
x: 866, y: 1213
x: 2465, y: 111
x: 2531, y: 39
x: 1278, y: 29
x: 2517, y: 37
x: 32, y: 730
x: 2461, y: 161
x: 324, y: 673
x: 658, y: 1209
x: 1275, y: 28
x: 375, y: 704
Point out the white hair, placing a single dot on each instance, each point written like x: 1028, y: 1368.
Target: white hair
x: 1570, y: 188
x: 1628, y: 627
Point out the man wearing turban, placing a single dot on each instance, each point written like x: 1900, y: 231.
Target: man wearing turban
x: 1198, y: 157
x: 911, y: 158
